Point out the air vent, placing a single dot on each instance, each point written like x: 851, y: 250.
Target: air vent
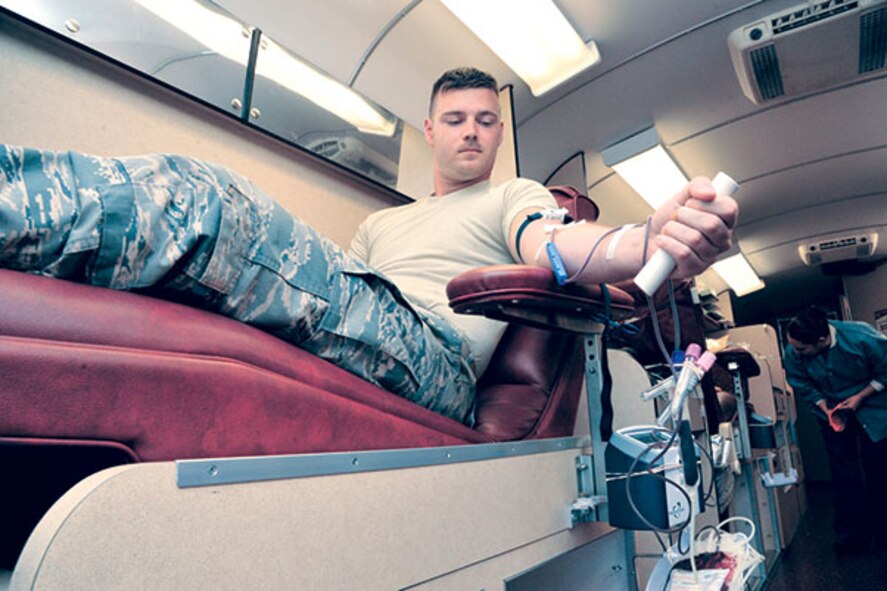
x: 872, y: 40
x: 766, y: 67
x: 839, y: 248
x: 813, y: 46
x: 357, y: 155
x: 840, y: 243
x: 809, y: 14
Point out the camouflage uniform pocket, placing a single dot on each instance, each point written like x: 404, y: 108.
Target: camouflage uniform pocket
x: 234, y: 240
x: 372, y: 331
x: 365, y: 309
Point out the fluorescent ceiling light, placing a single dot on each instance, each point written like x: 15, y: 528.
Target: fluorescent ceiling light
x: 277, y: 64
x: 224, y: 36
x: 738, y: 274
x: 532, y: 37
x: 653, y: 175
x: 644, y: 164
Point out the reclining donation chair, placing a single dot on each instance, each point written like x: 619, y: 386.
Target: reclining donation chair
x: 91, y: 377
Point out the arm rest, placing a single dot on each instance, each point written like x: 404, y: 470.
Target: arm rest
x: 532, y: 386
x: 529, y: 295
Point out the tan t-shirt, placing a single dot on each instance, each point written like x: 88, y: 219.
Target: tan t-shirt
x: 422, y: 245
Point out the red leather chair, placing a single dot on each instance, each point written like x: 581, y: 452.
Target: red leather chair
x: 91, y: 377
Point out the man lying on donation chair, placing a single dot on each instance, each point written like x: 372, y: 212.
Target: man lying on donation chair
x: 200, y: 233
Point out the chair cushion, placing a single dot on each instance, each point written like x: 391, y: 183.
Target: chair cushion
x: 532, y: 386
x: 171, y: 381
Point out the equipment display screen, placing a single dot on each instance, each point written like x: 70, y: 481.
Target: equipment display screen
x: 646, y: 437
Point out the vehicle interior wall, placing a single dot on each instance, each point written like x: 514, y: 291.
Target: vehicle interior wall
x: 866, y: 295
x: 67, y: 100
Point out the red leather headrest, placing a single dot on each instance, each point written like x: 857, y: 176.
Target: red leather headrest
x: 580, y: 206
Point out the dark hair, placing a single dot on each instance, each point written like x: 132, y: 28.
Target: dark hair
x: 809, y: 326
x: 459, y: 78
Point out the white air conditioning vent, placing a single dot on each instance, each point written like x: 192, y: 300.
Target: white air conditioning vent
x: 838, y: 248
x: 812, y: 46
x: 355, y: 154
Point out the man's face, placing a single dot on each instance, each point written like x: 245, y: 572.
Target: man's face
x: 465, y: 132
x: 809, y: 349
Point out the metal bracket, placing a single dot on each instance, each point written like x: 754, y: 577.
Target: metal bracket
x: 770, y: 478
x: 584, y: 475
x: 594, y: 383
x: 584, y: 509
x: 744, y: 447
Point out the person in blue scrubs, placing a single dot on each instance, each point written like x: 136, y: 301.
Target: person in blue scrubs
x: 840, y: 369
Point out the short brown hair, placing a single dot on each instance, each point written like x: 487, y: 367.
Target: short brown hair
x: 459, y: 78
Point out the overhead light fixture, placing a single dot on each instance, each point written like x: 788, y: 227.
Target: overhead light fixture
x: 277, y: 64
x: 736, y: 272
x: 225, y: 36
x: 535, y: 40
x: 644, y: 164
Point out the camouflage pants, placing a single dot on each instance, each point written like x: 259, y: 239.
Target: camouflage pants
x: 192, y: 231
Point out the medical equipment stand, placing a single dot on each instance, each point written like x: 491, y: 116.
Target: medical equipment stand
x: 747, y: 499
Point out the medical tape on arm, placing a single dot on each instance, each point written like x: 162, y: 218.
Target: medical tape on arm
x: 611, y: 248
x: 591, y: 252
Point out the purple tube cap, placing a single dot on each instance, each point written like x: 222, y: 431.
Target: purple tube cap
x: 707, y: 360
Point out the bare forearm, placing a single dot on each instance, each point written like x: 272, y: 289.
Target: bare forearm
x: 866, y: 392
x: 693, y: 227
x: 863, y: 394
x: 602, y: 255
x: 592, y: 253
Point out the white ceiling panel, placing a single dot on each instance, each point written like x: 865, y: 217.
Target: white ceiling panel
x: 808, y: 165
x: 332, y: 35
x: 427, y: 42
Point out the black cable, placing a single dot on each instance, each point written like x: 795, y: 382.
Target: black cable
x: 711, y: 482
x: 654, y: 316
x: 662, y: 544
x: 677, y: 529
x: 717, y: 531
